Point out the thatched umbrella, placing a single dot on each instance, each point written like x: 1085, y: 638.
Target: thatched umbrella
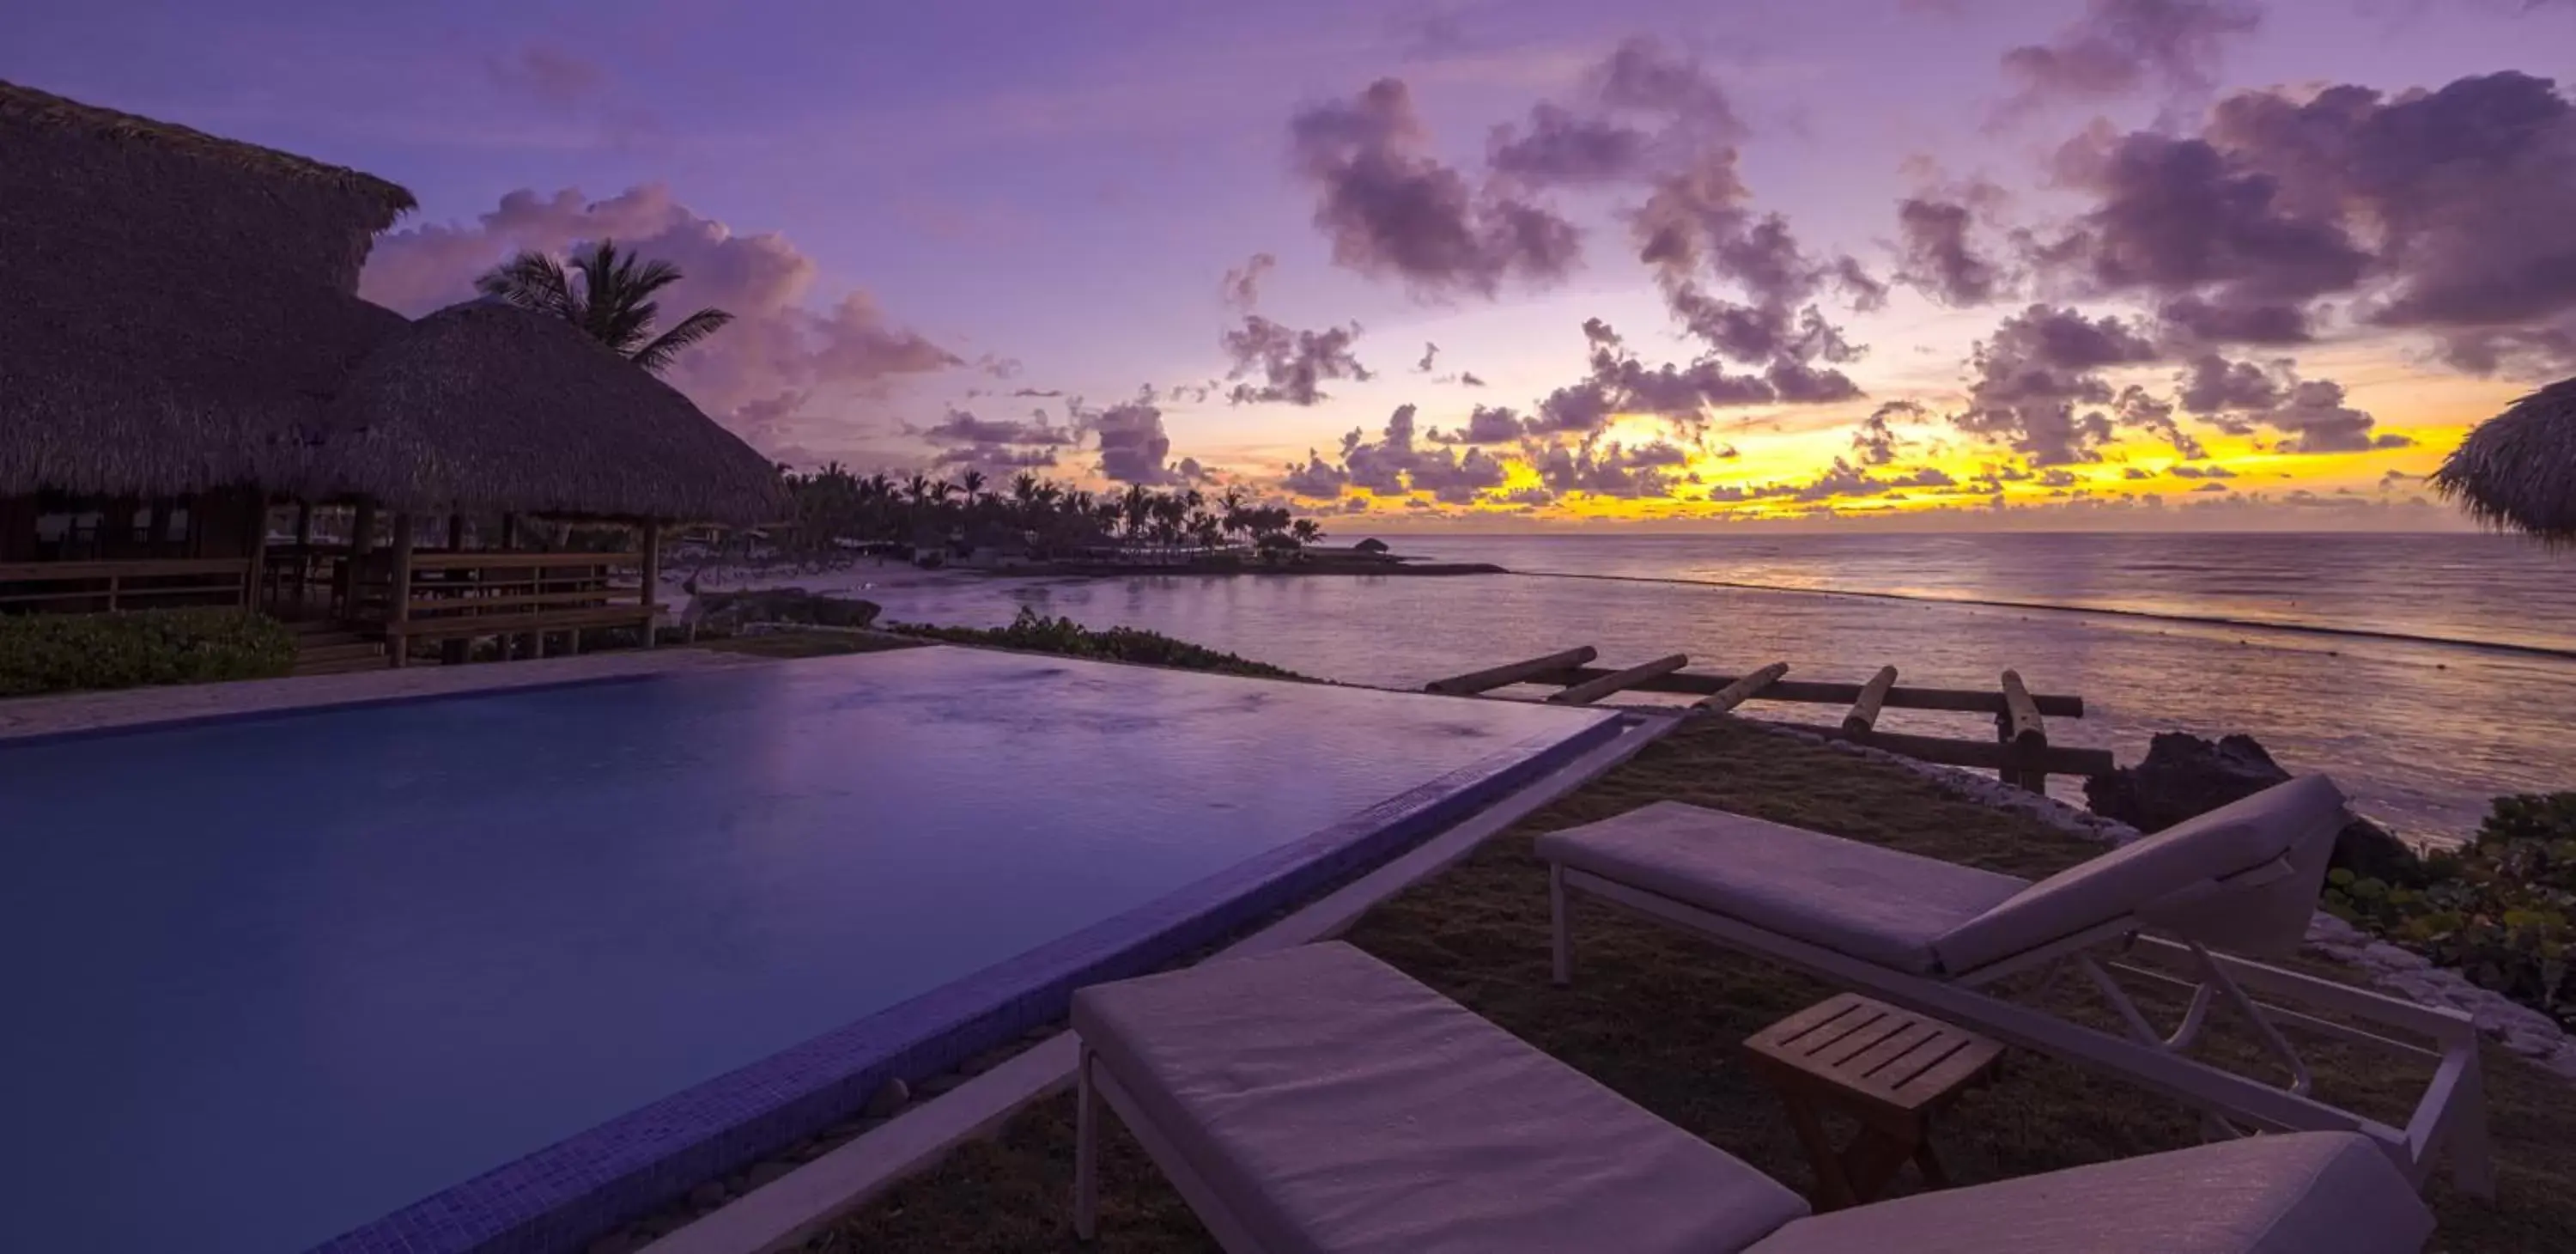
x: 173, y: 306
x: 483, y: 408
x: 2517, y: 470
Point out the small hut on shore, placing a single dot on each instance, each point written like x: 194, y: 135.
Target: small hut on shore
x: 182, y: 349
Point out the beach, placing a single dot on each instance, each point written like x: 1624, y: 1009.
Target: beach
x: 2427, y: 673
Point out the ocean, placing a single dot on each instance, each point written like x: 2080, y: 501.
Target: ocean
x: 2425, y: 672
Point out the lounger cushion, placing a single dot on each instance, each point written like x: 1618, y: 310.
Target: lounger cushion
x: 1876, y: 904
x: 2295, y: 1193
x: 2231, y: 840
x: 1334, y: 1104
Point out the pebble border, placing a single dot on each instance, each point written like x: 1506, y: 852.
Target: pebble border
x: 2521, y: 1030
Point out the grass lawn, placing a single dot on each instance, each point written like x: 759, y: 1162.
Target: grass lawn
x: 1659, y: 1017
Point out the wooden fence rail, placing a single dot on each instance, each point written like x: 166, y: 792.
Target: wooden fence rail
x: 124, y: 585
x: 2019, y: 752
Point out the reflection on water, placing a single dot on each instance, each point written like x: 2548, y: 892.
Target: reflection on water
x: 2422, y: 734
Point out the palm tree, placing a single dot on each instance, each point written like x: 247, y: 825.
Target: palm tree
x: 612, y: 304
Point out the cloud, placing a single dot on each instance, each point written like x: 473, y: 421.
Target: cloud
x: 1317, y: 479
x: 2200, y: 472
x: 959, y: 426
x: 2241, y: 397
x: 1841, y: 480
x: 1037, y: 392
x: 1133, y: 445
x: 1430, y: 354
x: 780, y: 365
x: 1486, y: 424
x: 992, y: 460
x: 2120, y: 46
x: 2037, y: 370
x: 1596, y: 468
x: 1395, y: 464
x: 2211, y: 487
x: 1877, y: 443
x: 2450, y: 213
x: 1938, y: 258
x: 1292, y: 364
x: 1467, y: 378
x: 1241, y: 287
x: 1393, y: 210
x: 2238, y: 255
x: 1560, y: 148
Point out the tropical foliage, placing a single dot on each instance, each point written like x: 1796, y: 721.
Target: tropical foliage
x: 1052, y: 519
x: 2499, y: 910
x: 613, y: 303
x: 42, y: 653
x: 1037, y: 633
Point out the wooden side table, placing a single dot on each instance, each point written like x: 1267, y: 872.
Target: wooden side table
x: 1891, y: 1069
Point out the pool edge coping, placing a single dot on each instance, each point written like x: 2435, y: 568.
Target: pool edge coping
x: 788, y: 1211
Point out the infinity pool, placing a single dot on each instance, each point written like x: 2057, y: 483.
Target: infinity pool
x: 278, y: 980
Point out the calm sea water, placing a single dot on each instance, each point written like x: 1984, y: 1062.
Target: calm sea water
x: 2426, y: 673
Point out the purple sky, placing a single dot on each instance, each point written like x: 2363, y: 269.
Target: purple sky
x: 923, y: 208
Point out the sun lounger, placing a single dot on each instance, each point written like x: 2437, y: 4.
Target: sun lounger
x: 2184, y: 908
x: 1318, y: 1101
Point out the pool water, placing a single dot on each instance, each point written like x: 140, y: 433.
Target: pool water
x: 275, y: 977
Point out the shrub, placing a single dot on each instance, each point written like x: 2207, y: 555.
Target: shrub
x: 2502, y: 909
x: 1037, y: 633
x: 42, y: 653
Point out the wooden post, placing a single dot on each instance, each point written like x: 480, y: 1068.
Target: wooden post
x: 652, y: 589
x: 2019, y: 726
x: 1593, y: 690
x: 303, y: 548
x: 509, y: 531
x: 1512, y: 673
x: 254, y: 574
x: 398, y: 593
x: 456, y: 533
x: 362, y: 539
x: 1864, y: 711
x: 1743, y: 690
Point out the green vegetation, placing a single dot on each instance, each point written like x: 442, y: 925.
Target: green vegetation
x: 2499, y: 909
x: 1036, y: 633
x: 1660, y: 1018
x: 41, y: 653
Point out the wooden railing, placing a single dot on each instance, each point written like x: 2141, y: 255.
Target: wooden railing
x: 152, y: 583
x: 512, y: 595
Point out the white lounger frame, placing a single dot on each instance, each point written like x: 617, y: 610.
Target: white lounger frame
x: 1095, y: 1083
x: 2451, y: 1117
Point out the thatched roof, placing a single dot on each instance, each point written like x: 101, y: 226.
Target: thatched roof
x: 483, y: 407
x: 2517, y: 470
x: 172, y: 305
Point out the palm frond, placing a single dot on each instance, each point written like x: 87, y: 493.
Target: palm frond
x: 531, y: 280
x: 697, y: 326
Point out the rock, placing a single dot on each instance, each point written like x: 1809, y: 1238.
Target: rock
x: 780, y: 605
x: 2184, y: 776
x: 888, y: 1099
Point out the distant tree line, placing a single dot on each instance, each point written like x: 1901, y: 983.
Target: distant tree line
x: 1051, y: 519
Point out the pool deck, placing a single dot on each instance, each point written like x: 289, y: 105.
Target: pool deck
x: 74, y: 713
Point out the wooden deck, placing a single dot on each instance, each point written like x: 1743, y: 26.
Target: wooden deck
x: 2019, y: 752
